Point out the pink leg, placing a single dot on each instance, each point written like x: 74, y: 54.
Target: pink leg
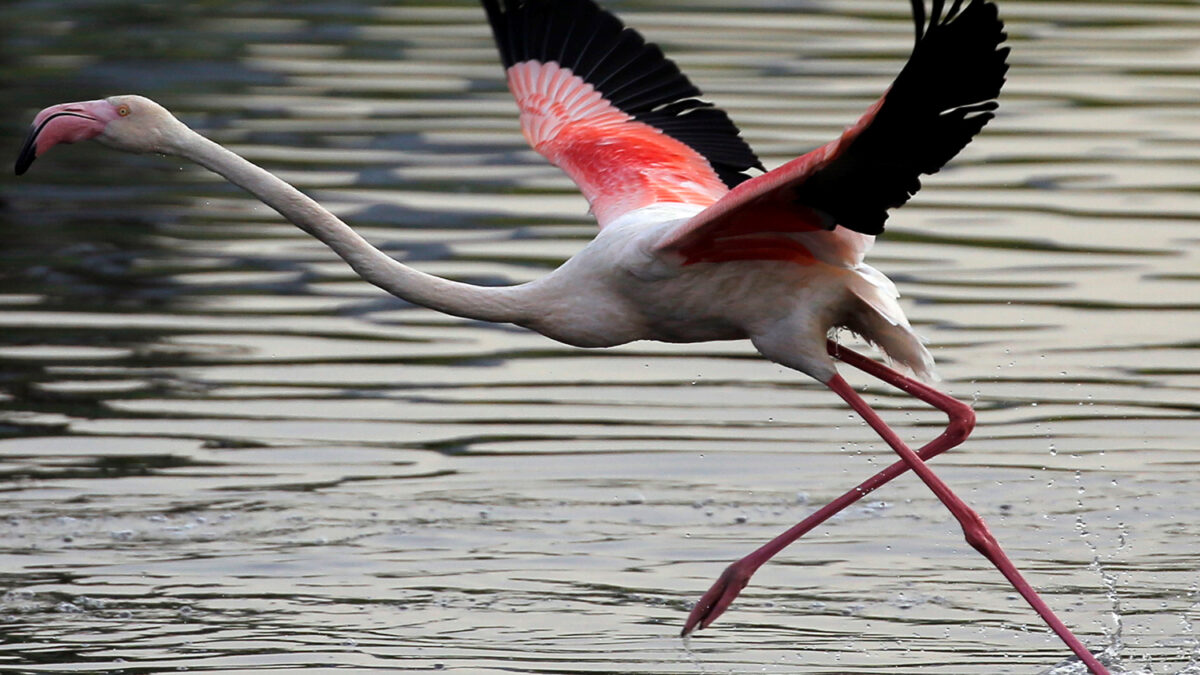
x: 737, y: 576
x: 975, y: 530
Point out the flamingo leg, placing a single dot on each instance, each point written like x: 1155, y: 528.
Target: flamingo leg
x: 721, y: 595
x: 735, y: 578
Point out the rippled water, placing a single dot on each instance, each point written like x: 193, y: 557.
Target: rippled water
x: 220, y: 451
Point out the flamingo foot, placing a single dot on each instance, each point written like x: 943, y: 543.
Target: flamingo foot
x: 718, y: 598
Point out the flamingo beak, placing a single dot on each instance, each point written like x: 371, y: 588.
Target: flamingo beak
x: 64, y: 123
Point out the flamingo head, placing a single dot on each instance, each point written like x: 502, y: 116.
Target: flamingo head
x: 129, y: 123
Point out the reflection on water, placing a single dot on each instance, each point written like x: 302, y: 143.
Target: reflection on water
x: 222, y: 451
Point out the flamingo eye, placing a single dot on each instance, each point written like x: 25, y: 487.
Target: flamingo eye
x: 123, y: 111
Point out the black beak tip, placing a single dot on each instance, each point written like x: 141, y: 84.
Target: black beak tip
x: 28, y: 154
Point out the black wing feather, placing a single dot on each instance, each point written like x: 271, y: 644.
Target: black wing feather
x: 943, y: 97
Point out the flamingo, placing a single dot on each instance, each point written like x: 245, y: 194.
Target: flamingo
x: 692, y: 247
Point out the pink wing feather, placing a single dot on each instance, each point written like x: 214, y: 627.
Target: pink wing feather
x: 619, y: 163
x: 611, y: 111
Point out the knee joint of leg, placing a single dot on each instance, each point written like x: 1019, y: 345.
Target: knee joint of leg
x: 962, y: 423
x: 976, y: 532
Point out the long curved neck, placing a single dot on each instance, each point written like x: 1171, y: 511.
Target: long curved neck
x: 499, y: 304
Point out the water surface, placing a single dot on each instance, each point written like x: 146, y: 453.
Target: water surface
x: 221, y: 451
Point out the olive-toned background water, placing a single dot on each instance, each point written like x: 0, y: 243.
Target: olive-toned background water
x: 222, y: 452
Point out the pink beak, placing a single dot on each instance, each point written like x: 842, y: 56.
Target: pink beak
x: 64, y: 123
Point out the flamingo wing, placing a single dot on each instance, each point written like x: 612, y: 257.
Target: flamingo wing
x: 608, y: 108
x: 944, y: 95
